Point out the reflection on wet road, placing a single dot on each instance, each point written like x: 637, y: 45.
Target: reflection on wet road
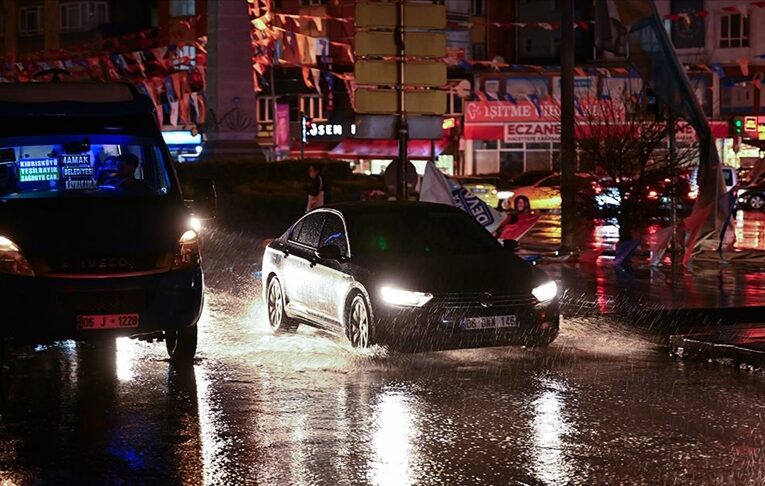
x: 604, y: 404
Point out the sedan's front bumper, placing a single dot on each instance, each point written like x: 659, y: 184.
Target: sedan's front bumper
x: 435, y: 327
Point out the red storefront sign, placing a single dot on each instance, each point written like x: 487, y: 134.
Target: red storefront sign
x: 525, y: 121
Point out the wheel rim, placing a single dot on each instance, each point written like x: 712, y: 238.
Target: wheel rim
x: 757, y: 202
x: 359, y: 324
x: 275, y: 304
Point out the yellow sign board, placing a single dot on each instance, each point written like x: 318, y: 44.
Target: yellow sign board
x: 416, y: 44
x: 416, y: 15
x: 421, y: 74
x: 385, y: 101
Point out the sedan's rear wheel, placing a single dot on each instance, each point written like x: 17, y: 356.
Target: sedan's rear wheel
x: 277, y: 316
x: 359, y: 327
x: 181, y: 344
x: 757, y: 202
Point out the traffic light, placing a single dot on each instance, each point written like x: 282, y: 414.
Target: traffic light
x: 738, y: 126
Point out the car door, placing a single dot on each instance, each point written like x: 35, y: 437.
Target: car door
x: 547, y: 193
x: 298, y: 273
x: 333, y: 282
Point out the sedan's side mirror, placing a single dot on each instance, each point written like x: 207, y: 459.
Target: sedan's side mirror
x: 329, y: 252
x: 204, y: 200
x: 511, y: 245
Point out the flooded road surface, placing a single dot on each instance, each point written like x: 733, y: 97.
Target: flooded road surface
x: 603, y: 405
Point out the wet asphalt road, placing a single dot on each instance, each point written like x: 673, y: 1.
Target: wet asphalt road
x: 603, y: 405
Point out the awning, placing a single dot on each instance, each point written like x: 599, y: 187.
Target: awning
x: 354, y: 149
x: 312, y: 150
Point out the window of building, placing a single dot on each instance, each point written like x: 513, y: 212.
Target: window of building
x: 183, y: 8
x: 479, y: 51
x: 30, y: 21
x: 734, y: 30
x: 83, y: 16
x: 312, y: 107
x: 265, y: 109
x: 479, y: 7
x: 308, y: 3
x: 186, y: 58
x: 528, y: 46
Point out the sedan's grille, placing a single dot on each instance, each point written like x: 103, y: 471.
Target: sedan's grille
x: 487, y: 299
x: 104, y: 302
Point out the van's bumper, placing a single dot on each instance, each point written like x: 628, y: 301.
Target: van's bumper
x: 44, y: 309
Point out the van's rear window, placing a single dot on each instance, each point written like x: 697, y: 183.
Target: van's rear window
x: 82, y: 166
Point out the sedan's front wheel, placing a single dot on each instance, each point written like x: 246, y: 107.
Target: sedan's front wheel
x: 358, y: 324
x: 277, y: 317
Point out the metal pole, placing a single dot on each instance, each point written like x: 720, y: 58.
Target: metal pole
x: 671, y: 120
x: 568, y: 142
x: 273, y: 109
x: 302, y: 128
x: 401, y: 192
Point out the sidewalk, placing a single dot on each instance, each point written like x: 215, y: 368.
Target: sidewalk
x: 707, y: 294
x: 741, y: 345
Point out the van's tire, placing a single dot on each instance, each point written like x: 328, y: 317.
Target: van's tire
x: 181, y: 344
x: 522, y: 205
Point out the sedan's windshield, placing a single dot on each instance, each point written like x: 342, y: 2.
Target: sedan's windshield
x: 418, y: 233
x: 96, y: 165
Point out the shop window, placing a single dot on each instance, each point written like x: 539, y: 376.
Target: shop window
x: 734, y: 31
x: 30, y: 21
x: 183, y: 8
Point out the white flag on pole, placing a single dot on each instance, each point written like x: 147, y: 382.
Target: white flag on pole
x: 437, y: 188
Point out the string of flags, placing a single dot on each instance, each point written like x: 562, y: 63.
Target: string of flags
x: 742, y: 8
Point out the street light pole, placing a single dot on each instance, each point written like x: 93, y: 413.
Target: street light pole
x: 568, y: 141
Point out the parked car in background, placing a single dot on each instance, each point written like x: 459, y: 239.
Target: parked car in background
x: 752, y: 197
x: 484, y: 188
x: 407, y: 274
x: 545, y: 194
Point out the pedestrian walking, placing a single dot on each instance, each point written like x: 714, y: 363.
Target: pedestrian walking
x: 318, y: 189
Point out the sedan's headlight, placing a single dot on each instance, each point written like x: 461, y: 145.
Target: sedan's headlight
x: 12, y: 261
x: 505, y: 194
x: 545, y: 292
x: 404, y: 298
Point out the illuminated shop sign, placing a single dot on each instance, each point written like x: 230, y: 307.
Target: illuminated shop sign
x: 327, y: 131
x: 78, y: 172
x: 38, y: 170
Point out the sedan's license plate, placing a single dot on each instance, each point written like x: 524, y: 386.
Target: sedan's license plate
x: 490, y: 322
x: 107, y: 321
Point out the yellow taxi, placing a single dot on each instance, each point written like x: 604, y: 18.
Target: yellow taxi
x: 544, y: 194
x: 482, y: 188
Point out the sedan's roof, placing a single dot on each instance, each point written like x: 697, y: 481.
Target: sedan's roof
x: 403, y: 207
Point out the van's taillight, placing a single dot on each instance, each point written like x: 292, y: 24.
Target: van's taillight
x: 187, y: 251
x: 12, y: 261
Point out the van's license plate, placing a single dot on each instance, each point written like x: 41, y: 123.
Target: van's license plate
x: 107, y: 321
x: 490, y: 322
